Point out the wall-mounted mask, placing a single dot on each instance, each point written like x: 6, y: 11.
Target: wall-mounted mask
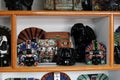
x: 95, y: 53
x: 48, y: 50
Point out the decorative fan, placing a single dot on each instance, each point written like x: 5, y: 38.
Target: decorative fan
x: 31, y: 33
x: 93, y: 77
x: 55, y: 76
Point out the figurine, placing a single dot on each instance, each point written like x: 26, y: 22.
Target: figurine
x: 87, y: 4
x: 81, y: 36
x: 5, y: 49
x: 19, y: 4
x: 78, y: 5
x: 48, y: 50
x: 95, y: 53
x: 117, y: 45
x: 28, y: 53
x: 65, y: 56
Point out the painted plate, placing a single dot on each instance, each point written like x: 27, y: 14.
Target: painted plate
x: 56, y: 76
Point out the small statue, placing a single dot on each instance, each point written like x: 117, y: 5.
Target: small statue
x: 18, y: 4
x: 5, y: 49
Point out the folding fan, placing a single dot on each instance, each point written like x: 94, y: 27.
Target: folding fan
x: 30, y: 34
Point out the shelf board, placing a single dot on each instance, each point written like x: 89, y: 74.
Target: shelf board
x: 57, y: 13
x: 57, y: 68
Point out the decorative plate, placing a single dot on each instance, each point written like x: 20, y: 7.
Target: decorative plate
x: 56, y: 76
x: 93, y: 77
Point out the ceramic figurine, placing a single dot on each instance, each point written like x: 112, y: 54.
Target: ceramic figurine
x: 66, y: 56
x: 117, y: 45
x: 19, y: 4
x: 48, y: 49
x: 64, y: 4
x: 27, y: 47
x: 95, y: 53
x: 28, y: 53
x: 5, y: 47
x: 81, y: 37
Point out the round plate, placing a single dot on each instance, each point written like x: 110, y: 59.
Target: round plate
x: 93, y: 77
x: 56, y: 76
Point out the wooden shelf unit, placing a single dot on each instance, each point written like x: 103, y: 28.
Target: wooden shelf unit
x: 15, y: 68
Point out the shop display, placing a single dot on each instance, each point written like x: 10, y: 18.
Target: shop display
x: 117, y: 45
x: 81, y: 36
x: 19, y: 4
x: 5, y: 46
x: 34, y: 46
x: 55, y: 76
x: 95, y: 53
x: 101, y: 76
x: 48, y: 50
x: 62, y: 38
x: 65, y: 56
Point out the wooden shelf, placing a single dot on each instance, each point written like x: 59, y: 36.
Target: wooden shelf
x: 14, y: 14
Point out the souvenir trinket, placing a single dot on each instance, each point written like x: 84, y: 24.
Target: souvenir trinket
x: 31, y: 33
x: 5, y: 47
x: 78, y: 5
x: 62, y: 38
x: 87, y: 5
x: 64, y: 4
x: 28, y: 48
x: 28, y: 53
x: 95, y: 53
x: 19, y: 4
x: 101, y: 76
x: 22, y: 79
x: 48, y: 50
x: 59, y: 4
x: 81, y: 37
x: 55, y: 76
x: 65, y: 56
x: 49, y: 4
x: 117, y: 45
x: 101, y: 5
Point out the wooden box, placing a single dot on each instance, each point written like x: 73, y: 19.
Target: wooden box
x: 62, y: 38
